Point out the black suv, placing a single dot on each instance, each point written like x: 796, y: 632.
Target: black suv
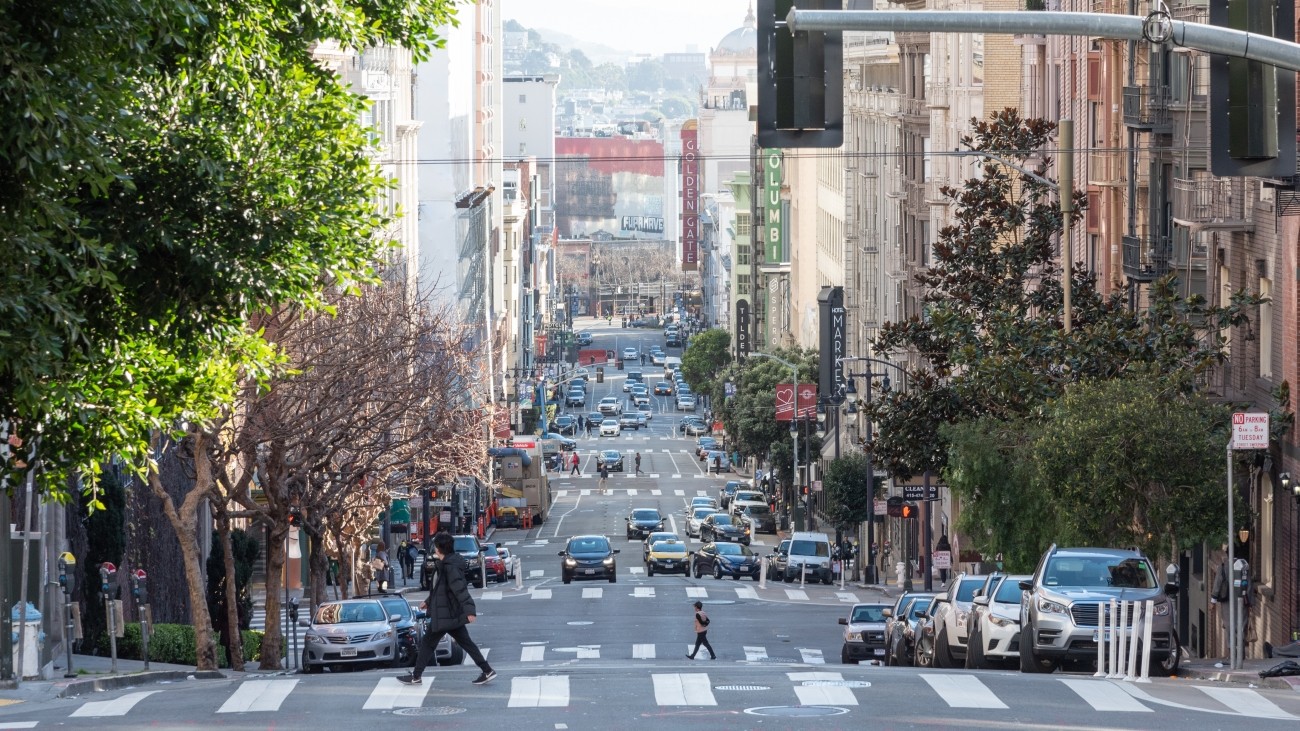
x: 588, y: 557
x: 642, y: 522
x: 721, y: 527
x: 469, y: 549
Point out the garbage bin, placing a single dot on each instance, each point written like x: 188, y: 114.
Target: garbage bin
x: 29, y: 636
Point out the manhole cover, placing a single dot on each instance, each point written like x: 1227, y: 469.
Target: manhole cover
x: 430, y: 711
x: 797, y: 711
x: 579, y: 623
x: 741, y: 687
x: 838, y: 683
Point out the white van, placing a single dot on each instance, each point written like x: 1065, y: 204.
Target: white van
x: 811, y: 550
x: 672, y: 364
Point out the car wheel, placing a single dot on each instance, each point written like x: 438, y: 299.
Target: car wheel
x: 923, y: 654
x: 942, y: 658
x: 1168, y: 666
x: 649, y: 570
x: 889, y: 653
x: 755, y: 577
x: 694, y: 570
x: 975, y: 651
x: 717, y: 571
x: 613, y: 578
x: 567, y: 578
x: 844, y: 657
x: 307, y: 667
x: 1030, y: 662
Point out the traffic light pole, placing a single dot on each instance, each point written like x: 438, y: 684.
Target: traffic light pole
x: 1156, y: 27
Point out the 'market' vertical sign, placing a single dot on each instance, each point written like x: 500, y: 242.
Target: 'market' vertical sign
x: 834, y: 326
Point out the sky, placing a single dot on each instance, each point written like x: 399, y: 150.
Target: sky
x: 639, y: 26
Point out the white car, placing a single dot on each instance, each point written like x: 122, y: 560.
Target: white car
x: 995, y: 624
x: 701, y: 501
x: 658, y: 358
x: 610, y: 406
x: 610, y: 428
x: 685, y: 402
x: 631, y: 354
x: 645, y: 411
x: 697, y: 518
x: 950, y: 610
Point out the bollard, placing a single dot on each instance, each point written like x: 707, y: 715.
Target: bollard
x: 1121, y: 640
x: 482, y: 571
x: 803, y: 573
x: 1101, y: 640
x: 762, y: 575
x: 519, y: 573
x: 1135, y: 617
x: 1146, y: 642
x: 1112, y: 638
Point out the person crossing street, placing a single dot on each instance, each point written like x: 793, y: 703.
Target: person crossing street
x: 638, y: 463
x: 701, y: 632
x: 604, y: 477
x: 573, y: 463
x: 451, y: 610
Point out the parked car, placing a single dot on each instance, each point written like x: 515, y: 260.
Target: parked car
x: 994, y: 623
x: 705, y: 444
x: 951, y: 607
x: 588, y: 557
x: 743, y: 497
x: 697, y: 518
x: 659, y: 535
x: 492, y: 563
x: 667, y: 557
x: 408, y: 626
x: 721, y: 527
x: 510, y: 560
x: 901, y: 641
x: 566, y: 444
x: 685, y: 402
x: 350, y: 632
x: 1060, y: 614
x: 725, y: 559
x: 923, y: 633
x: 642, y: 522
x: 611, y: 458
x: 778, y: 559
x: 468, y: 547
x: 864, y: 633
x: 610, y: 428
x: 694, y: 427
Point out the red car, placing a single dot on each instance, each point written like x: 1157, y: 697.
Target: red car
x: 492, y: 563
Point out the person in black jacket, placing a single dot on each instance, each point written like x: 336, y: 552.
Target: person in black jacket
x: 450, y: 608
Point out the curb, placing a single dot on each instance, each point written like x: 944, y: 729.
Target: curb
x: 116, y: 682
x: 1238, y: 677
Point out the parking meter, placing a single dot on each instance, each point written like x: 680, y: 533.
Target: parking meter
x: 293, y: 624
x: 139, y: 586
x: 107, y: 575
x: 293, y: 609
x: 67, y: 572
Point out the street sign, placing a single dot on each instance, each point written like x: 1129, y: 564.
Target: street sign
x: 943, y: 559
x: 917, y: 492
x: 1249, y: 430
x: 881, y: 507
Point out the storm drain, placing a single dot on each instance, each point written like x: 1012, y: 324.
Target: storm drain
x: 741, y: 687
x: 430, y: 711
x: 797, y: 711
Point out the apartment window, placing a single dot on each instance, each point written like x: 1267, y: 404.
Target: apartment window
x: 1266, y: 328
x: 742, y: 255
x: 742, y: 284
x: 1266, y: 531
x: 742, y: 224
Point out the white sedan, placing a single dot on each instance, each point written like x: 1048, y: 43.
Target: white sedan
x: 697, y: 517
x: 995, y: 624
x: 610, y: 428
x: 631, y: 354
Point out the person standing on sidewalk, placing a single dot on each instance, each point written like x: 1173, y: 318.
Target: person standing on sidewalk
x: 701, y: 632
x: 451, y: 609
x: 573, y: 463
x: 638, y: 464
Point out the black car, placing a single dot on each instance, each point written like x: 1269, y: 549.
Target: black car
x: 566, y: 444
x: 594, y: 418
x: 900, y: 640
x: 725, y: 559
x: 566, y: 424
x: 642, y: 522
x: 728, y: 490
x: 470, y: 550
x: 584, y: 338
x: 588, y: 557
x: 759, y: 518
x: 721, y: 527
x: 611, y: 458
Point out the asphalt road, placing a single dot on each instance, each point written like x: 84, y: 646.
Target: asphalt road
x: 600, y: 655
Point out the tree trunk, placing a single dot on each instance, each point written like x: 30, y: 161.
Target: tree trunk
x: 234, y: 636
x: 273, y: 640
x: 318, y: 564
x: 184, y: 520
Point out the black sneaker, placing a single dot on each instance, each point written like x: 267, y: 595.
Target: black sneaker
x: 409, y: 679
x: 485, y: 678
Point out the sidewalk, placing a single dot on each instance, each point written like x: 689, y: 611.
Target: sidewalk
x: 1217, y: 670
x: 95, y: 674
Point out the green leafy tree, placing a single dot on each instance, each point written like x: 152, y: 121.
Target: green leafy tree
x: 750, y: 416
x: 847, y: 482
x: 705, y: 358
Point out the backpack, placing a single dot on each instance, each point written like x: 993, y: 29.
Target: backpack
x: 703, y: 619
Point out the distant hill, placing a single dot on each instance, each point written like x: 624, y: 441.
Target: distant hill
x: 597, y: 52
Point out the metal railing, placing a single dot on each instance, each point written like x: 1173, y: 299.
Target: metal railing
x: 1146, y: 107
x: 1210, y: 199
x: 1146, y: 258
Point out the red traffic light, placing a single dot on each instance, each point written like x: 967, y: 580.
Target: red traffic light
x: 909, y: 510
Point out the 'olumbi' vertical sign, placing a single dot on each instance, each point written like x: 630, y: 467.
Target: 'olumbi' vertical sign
x: 772, y: 225
x: 690, y: 196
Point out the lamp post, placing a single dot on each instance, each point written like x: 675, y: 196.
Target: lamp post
x: 1288, y: 484
x: 851, y: 390
x: 794, y: 426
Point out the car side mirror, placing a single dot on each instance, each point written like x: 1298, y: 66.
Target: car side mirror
x: 1026, y: 585
x: 981, y: 600
x: 304, y: 623
x: 394, y: 618
x: 844, y: 620
x: 887, y: 613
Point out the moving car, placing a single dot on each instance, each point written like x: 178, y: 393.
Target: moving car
x: 758, y: 516
x: 628, y: 420
x: 721, y: 527
x: 643, y: 521
x: 725, y: 559
x: 696, y: 519
x: 575, y: 397
x: 630, y: 354
x: 468, y: 547
x: 584, y: 338
x: 667, y: 557
x: 994, y: 622
x: 588, y: 557
x: 657, y: 357
x: 610, y: 428
x: 701, y: 501
x: 659, y: 535
x: 566, y: 444
x: 645, y: 411
x: 950, y: 610
x: 864, y: 633
x: 728, y: 490
x: 705, y: 444
x: 594, y: 418
x: 611, y: 458
x: 409, y: 626
x: 716, y: 460
x: 692, y: 426
x: 350, y: 632
x: 663, y: 388
x: 610, y: 406
x: 566, y: 424
x: 685, y: 402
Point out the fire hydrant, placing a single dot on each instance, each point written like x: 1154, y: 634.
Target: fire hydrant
x: 900, y: 571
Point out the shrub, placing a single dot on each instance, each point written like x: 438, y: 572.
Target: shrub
x: 174, y: 644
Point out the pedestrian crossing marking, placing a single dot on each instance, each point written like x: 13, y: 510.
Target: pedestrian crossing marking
x: 963, y: 691
x: 754, y: 654
x: 1101, y: 695
x: 491, y: 595
x: 17, y: 724
x: 1246, y: 702
x: 115, y: 707
x: 541, y: 593
x: 656, y: 493
x: 744, y: 592
x: 701, y: 493
x: 847, y: 597
x: 818, y: 689
x: 532, y: 653
x: 677, y: 476
x: 550, y: 691
x: 643, y: 652
x: 683, y: 689
x: 470, y: 661
x: 631, y: 493
x: 798, y: 595
x: 696, y: 592
x: 679, y: 493
x: 592, y: 592
x: 644, y: 592
x: 389, y: 694
x: 811, y: 657
x: 512, y: 543
x: 584, y: 493
x: 258, y: 695
x: 636, y: 570
x: 536, y: 573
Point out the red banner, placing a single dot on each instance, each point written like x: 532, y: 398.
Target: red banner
x: 593, y: 356
x: 501, y: 423
x: 785, y: 398
x: 690, y: 196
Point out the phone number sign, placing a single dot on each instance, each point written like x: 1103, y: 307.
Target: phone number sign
x: 1249, y: 430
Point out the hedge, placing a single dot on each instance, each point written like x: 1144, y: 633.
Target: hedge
x: 174, y: 644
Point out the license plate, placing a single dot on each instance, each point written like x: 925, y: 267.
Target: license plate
x: 1110, y: 635
x: 591, y: 572
x: 347, y: 652
x: 669, y: 564
x: 880, y: 652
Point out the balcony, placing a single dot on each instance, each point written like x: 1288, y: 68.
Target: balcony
x: 1146, y: 258
x: 1147, y: 108
x: 1106, y: 169
x: 1206, y: 202
x: 914, y: 108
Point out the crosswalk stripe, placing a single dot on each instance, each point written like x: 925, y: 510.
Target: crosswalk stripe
x: 656, y: 493
x: 636, y: 570
x: 643, y: 652
x: 1101, y: 695
x: 631, y: 493
x: 592, y: 592
x: 701, y: 493
x: 679, y: 493
x: 17, y: 724
x: 541, y: 593
x: 115, y: 707
x: 754, y: 654
x: 467, y: 660
x: 644, y: 592
x: 584, y: 493
x: 561, y: 493
x: 697, y: 592
x: 258, y: 695
x: 847, y: 596
x: 744, y: 592
x: 491, y: 595
x: 963, y: 691
x: 818, y: 689
x: 677, y: 476
x: 683, y: 689
x: 532, y: 653
x: 551, y: 691
x: 811, y: 656
x: 536, y: 573
x: 1246, y: 702
x: 798, y: 595
x: 389, y: 694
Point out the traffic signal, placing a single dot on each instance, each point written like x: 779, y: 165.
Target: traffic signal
x: 909, y: 510
x: 804, y: 490
x: 1253, y: 117
x: 800, y: 79
x: 894, y: 507
x: 600, y: 375
x: 295, y: 516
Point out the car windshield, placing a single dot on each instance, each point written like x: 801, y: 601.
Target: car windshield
x: 810, y: 548
x: 669, y: 547
x: 1100, y: 571
x: 702, y: 513
x: 1009, y: 591
x: 921, y: 606
x: 654, y: 538
x: 396, y: 605
x: 466, y: 544
x: 966, y: 591
x: 757, y: 510
x: 588, y: 545
x: 749, y: 496
x: 730, y: 488
x: 349, y: 613
x: 645, y: 514
x: 721, y: 519
x: 733, y: 549
x: 868, y: 614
